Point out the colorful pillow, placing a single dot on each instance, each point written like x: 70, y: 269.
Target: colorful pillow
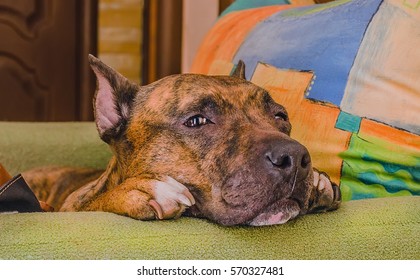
x: 348, y: 72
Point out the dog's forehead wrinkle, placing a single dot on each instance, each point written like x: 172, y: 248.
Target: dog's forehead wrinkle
x: 181, y: 94
x: 200, y: 103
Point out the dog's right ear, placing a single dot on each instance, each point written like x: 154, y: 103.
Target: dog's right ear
x: 239, y: 71
x: 113, y: 100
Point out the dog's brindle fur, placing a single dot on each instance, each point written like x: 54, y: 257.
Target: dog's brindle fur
x: 216, y: 147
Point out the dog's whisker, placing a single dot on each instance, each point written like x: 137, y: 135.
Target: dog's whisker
x: 294, y: 181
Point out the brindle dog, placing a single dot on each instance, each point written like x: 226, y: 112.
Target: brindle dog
x: 216, y: 147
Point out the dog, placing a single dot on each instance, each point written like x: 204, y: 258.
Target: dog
x: 215, y: 147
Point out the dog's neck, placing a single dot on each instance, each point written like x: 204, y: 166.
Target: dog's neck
x: 114, y: 173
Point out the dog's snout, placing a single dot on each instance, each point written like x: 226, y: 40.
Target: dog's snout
x: 290, y: 158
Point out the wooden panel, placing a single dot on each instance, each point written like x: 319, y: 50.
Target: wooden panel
x: 20, y: 84
x: 44, y: 74
x: 23, y: 97
x: 223, y: 4
x: 25, y: 17
x: 162, y: 39
x: 87, y: 39
x: 120, y: 36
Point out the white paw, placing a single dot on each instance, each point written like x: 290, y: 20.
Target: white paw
x: 322, y: 182
x: 171, y: 198
x: 328, y: 194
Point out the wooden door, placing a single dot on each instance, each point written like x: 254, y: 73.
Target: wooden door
x: 44, y: 74
x: 162, y: 39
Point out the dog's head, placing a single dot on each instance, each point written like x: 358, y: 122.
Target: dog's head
x: 223, y: 137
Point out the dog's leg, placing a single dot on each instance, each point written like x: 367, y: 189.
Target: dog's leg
x: 326, y: 195
x: 144, y: 199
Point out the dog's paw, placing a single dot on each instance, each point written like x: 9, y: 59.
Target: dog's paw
x: 170, y: 198
x: 144, y: 198
x: 327, y: 194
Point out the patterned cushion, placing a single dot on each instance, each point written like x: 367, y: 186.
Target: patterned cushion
x: 348, y: 73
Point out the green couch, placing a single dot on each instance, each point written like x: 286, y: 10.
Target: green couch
x: 382, y: 228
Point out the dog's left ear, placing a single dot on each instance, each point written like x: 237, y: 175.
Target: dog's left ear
x: 239, y: 71
x: 113, y: 100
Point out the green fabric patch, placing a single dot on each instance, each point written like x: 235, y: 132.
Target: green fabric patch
x: 371, y: 169
x: 312, y: 9
x: 240, y: 5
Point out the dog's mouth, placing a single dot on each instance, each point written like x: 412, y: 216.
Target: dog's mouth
x: 281, y: 211
x: 272, y: 204
x: 277, y: 213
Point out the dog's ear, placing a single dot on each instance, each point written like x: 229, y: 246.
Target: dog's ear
x: 239, y: 71
x: 113, y: 100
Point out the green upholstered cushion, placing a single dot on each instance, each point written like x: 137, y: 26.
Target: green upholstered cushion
x: 380, y: 228
x: 383, y: 228
x: 28, y: 145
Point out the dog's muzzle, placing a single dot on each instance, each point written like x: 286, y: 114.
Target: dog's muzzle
x: 271, y: 188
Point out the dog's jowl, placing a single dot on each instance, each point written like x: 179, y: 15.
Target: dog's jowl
x: 216, y: 147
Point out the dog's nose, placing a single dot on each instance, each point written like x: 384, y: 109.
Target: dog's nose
x: 290, y: 158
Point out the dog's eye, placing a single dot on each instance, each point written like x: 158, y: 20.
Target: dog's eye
x: 196, y: 121
x: 281, y: 116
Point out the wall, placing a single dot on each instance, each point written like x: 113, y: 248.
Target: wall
x: 120, y: 26
x: 198, y: 17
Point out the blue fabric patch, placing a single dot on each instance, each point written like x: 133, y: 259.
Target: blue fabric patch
x: 348, y: 122
x: 322, y: 38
